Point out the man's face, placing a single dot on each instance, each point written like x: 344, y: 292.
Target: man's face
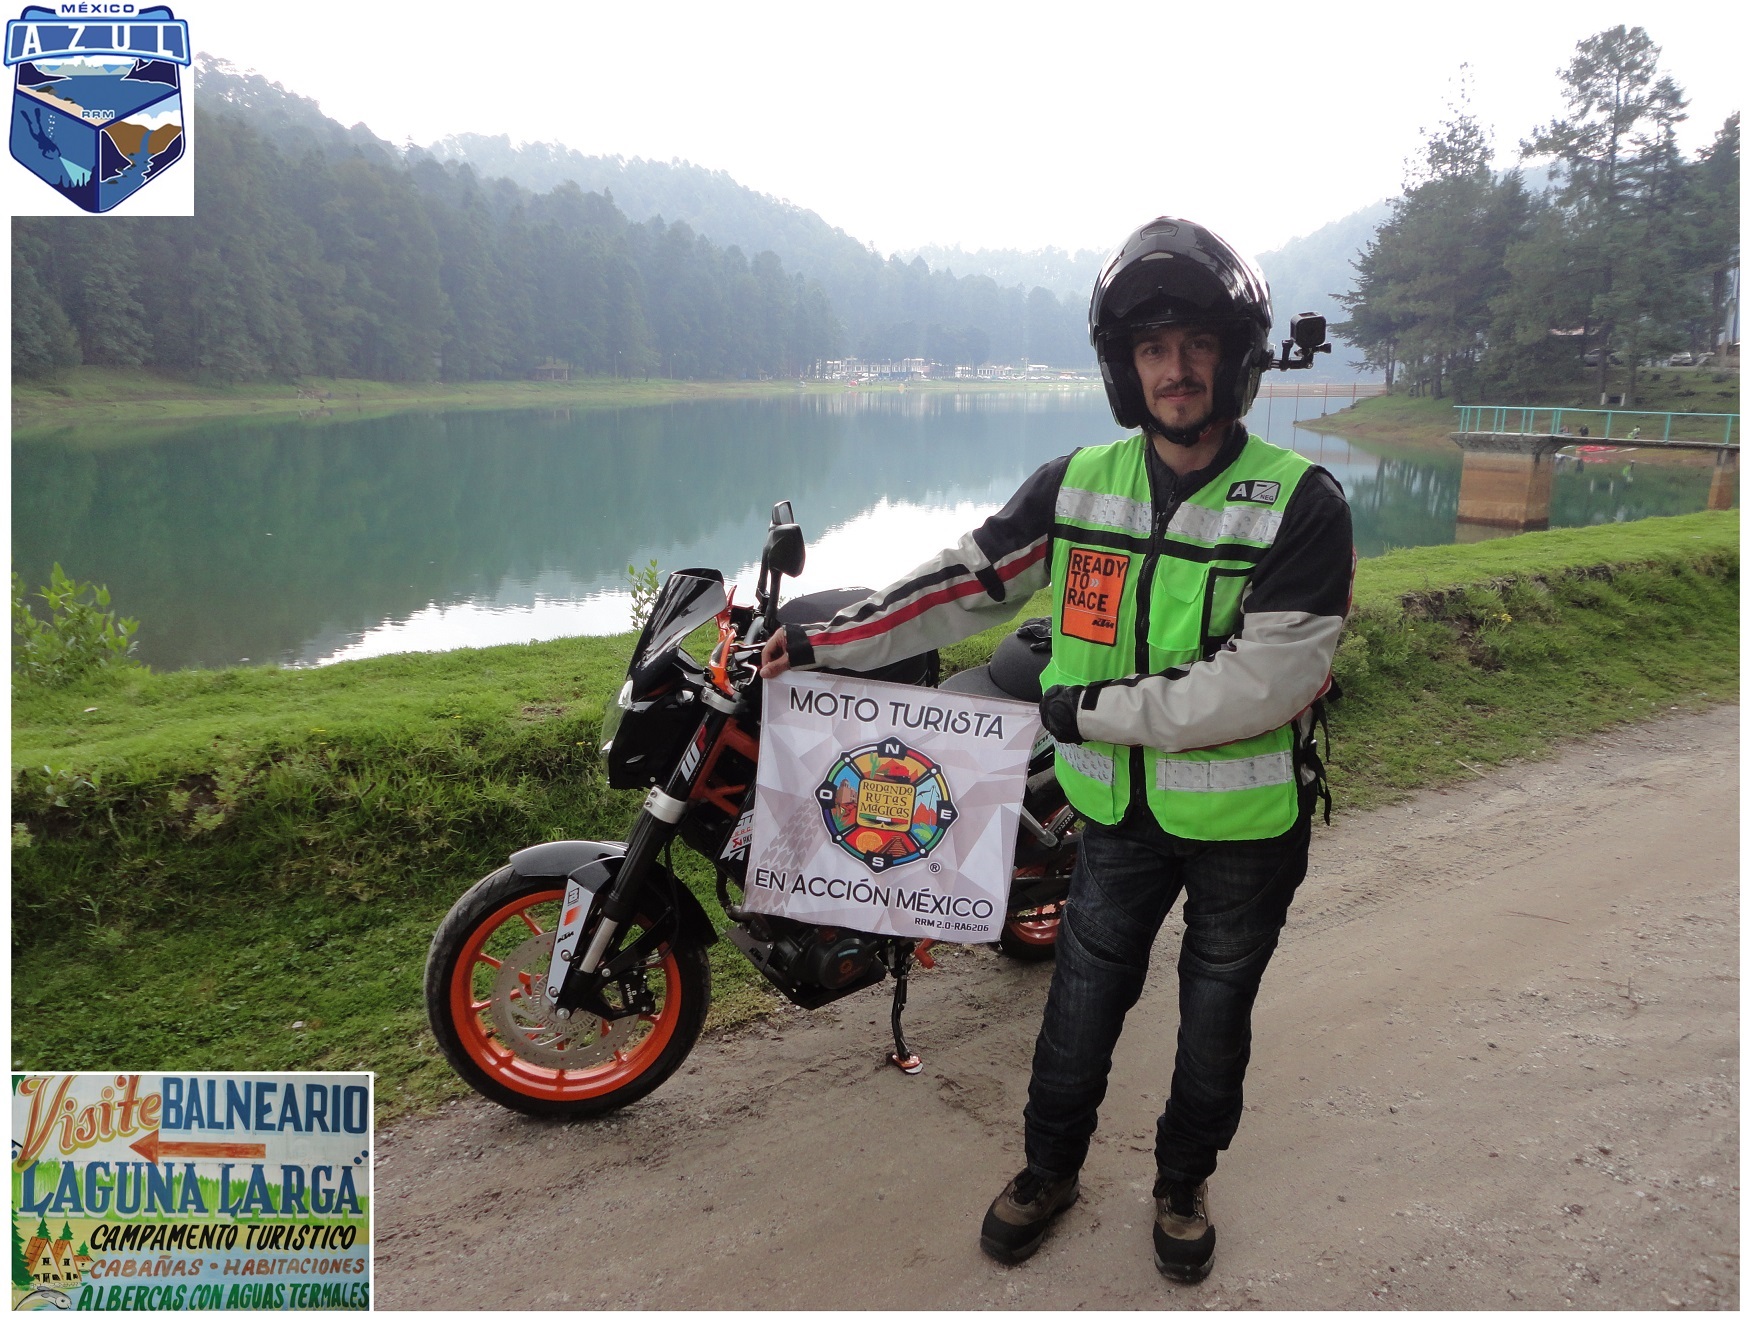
x: 1177, y: 366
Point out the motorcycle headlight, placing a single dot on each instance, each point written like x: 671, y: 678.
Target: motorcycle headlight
x: 611, y: 718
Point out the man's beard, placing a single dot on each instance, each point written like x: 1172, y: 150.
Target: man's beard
x: 1188, y: 435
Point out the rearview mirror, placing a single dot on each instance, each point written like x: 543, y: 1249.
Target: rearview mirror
x: 781, y: 514
x: 785, y: 551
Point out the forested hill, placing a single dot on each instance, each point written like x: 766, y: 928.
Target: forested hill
x: 1070, y: 276
x: 318, y: 249
x: 710, y: 201
x: 890, y: 307
x: 1305, y: 273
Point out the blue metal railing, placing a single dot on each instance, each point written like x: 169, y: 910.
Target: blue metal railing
x: 1541, y: 422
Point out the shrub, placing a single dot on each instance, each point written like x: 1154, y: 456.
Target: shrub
x: 645, y: 585
x: 80, y: 635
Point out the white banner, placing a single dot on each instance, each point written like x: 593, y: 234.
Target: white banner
x: 888, y: 808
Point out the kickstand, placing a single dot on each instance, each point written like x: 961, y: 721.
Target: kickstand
x: 902, y: 1056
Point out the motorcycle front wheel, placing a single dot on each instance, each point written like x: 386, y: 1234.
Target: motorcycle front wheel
x: 484, y: 977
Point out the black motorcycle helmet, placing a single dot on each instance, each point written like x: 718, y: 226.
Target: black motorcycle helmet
x: 1173, y: 272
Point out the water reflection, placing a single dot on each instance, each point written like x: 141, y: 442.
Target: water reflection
x: 298, y: 543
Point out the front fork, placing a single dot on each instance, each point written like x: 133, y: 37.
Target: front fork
x: 570, y: 981
x: 573, y: 976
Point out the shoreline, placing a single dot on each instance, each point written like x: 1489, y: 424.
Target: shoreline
x: 1369, y: 423
x: 136, y: 399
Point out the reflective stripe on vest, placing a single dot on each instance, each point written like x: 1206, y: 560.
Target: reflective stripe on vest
x: 1076, y: 505
x: 1225, y: 774
x: 1230, y: 524
x: 1089, y: 762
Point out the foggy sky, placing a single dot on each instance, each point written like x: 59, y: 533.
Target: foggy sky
x: 987, y: 125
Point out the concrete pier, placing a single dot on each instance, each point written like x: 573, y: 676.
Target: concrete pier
x: 1505, y: 483
x: 1724, y: 485
x: 1509, y: 449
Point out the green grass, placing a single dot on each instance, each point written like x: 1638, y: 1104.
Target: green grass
x: 242, y: 869
x: 142, y: 402
x: 1483, y: 653
x: 133, y: 397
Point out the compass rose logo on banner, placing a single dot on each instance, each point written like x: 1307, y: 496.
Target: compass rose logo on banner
x: 886, y: 804
x: 97, y: 109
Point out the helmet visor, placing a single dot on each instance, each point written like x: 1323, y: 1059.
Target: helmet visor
x: 1162, y: 289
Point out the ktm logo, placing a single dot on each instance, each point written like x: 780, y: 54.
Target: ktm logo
x: 1265, y: 494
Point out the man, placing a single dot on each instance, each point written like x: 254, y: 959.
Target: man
x: 1200, y: 578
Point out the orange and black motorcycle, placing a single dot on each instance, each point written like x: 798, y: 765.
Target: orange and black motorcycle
x: 575, y: 979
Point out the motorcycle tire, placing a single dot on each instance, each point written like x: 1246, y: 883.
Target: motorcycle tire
x: 490, y: 954
x: 1032, y: 934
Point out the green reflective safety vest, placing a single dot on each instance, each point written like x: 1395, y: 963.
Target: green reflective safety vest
x: 1131, y: 598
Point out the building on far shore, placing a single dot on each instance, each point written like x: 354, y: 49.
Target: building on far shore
x: 902, y: 370
x: 883, y: 370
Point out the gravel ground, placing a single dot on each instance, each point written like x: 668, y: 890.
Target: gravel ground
x: 1495, y: 1065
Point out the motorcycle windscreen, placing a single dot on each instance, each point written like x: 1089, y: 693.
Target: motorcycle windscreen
x: 688, y: 600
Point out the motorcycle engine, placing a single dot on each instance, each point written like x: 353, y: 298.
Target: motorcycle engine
x: 835, y: 958
x: 811, y: 966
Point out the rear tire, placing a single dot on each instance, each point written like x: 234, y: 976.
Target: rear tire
x: 488, y: 961
x: 1032, y: 934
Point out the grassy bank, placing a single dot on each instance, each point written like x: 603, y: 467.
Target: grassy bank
x: 242, y: 868
x: 88, y: 397
x: 1420, y: 421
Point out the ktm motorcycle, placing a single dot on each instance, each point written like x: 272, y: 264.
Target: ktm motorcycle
x: 575, y: 980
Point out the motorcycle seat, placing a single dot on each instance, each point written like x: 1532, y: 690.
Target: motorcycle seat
x: 1015, y: 666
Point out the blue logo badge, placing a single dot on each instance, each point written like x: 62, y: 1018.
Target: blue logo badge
x: 97, y: 111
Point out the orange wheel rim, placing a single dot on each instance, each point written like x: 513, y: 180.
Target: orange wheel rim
x: 1037, y: 928
x: 471, y: 1013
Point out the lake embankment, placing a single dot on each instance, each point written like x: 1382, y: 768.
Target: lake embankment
x: 242, y: 868
x: 135, y: 399
x: 1422, y: 423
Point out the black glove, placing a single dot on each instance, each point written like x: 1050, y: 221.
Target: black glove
x: 1058, y: 713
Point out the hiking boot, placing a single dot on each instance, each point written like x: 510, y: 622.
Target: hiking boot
x: 1017, y: 1221
x: 1185, y: 1242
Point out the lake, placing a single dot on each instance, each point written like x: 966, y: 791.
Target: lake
x: 299, y: 543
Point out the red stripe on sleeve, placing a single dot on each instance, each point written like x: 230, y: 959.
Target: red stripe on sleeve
x: 965, y: 588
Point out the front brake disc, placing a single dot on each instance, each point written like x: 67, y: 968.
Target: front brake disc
x: 530, y: 1026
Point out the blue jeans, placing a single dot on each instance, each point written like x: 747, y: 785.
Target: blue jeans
x: 1126, y: 880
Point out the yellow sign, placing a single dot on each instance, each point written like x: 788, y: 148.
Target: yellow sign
x: 885, y: 804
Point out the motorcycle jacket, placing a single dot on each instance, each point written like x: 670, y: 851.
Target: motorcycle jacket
x: 1211, y: 629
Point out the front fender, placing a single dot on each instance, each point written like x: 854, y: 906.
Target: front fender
x: 592, y: 863
x: 558, y: 859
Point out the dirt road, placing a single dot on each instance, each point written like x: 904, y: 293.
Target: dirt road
x: 1495, y: 1065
